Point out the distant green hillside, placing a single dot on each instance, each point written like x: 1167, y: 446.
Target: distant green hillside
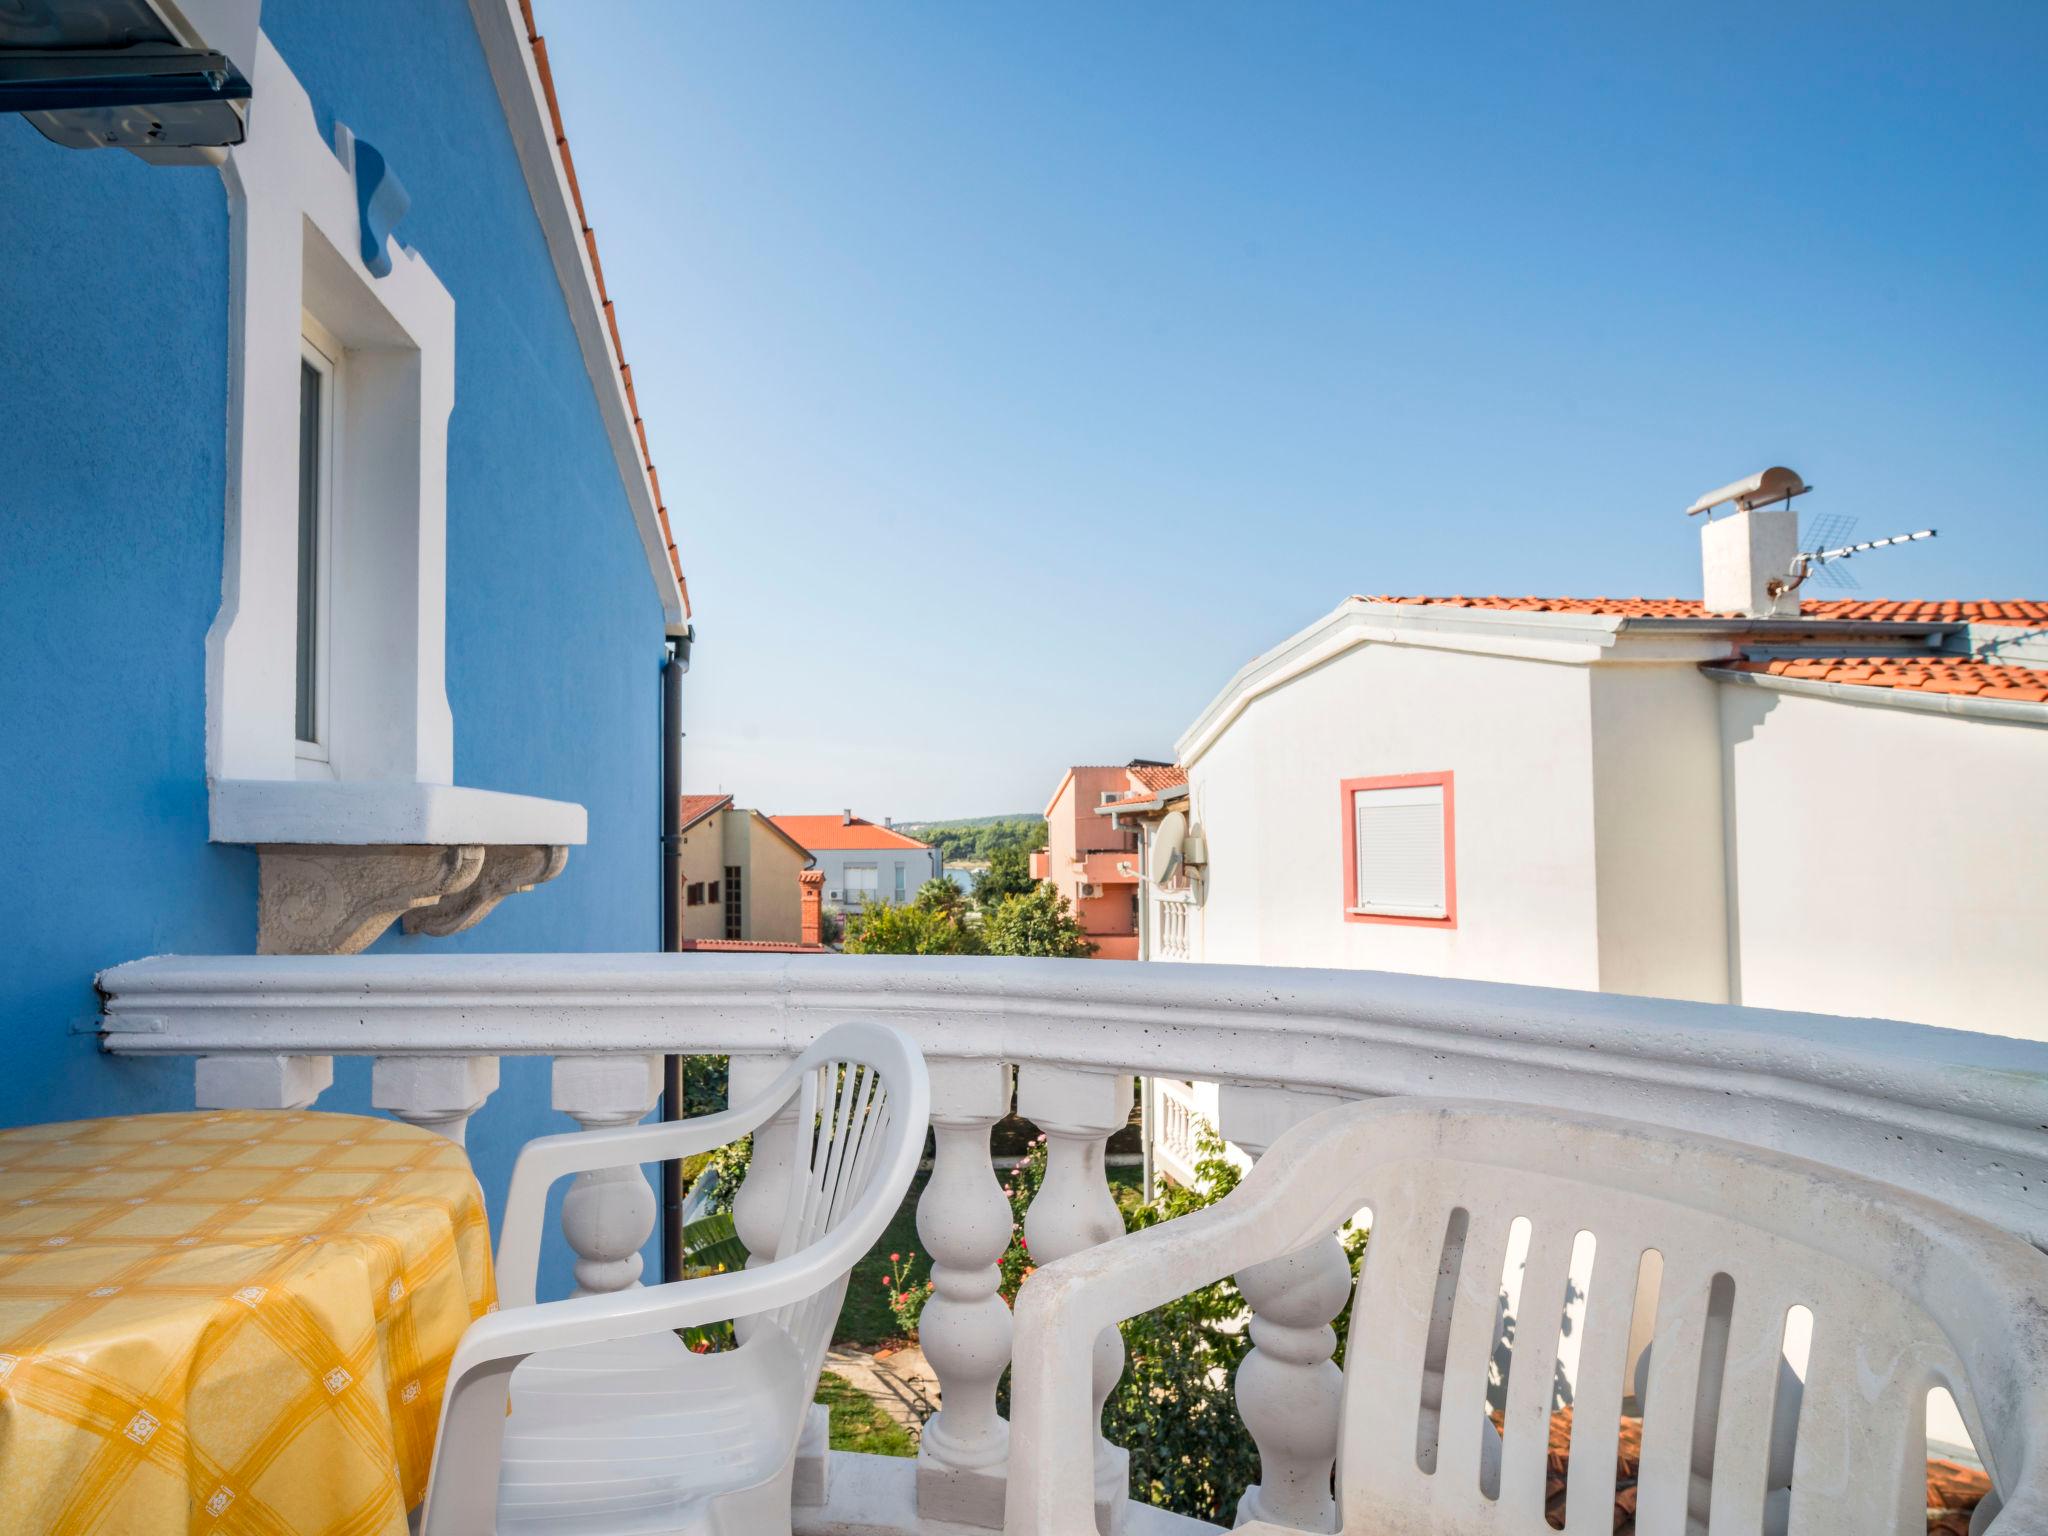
x: 975, y: 839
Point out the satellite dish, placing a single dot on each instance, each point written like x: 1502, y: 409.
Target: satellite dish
x: 1163, y: 861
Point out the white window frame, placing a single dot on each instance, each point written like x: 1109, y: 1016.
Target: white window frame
x: 319, y: 350
x: 295, y: 248
x: 296, y: 274
x: 862, y: 891
x: 1422, y: 788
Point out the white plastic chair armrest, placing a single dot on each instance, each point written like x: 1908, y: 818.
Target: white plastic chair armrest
x: 1286, y: 1202
x: 462, y: 1498
x: 547, y: 1158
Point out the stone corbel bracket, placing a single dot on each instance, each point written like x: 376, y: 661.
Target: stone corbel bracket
x: 333, y: 899
x: 507, y: 869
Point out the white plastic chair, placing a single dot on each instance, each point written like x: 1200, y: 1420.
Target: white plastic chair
x: 1905, y: 1294
x: 615, y: 1427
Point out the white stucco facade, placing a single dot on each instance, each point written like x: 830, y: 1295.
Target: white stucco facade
x: 1886, y: 862
x: 1628, y: 822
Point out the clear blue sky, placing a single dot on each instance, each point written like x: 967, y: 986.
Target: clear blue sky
x: 1016, y: 372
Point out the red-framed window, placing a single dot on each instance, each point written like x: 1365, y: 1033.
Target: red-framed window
x: 1400, y: 850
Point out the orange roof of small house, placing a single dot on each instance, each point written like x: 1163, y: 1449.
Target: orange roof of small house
x: 1919, y: 674
x: 1156, y: 782
x: 755, y: 947
x: 1157, y: 776
x: 697, y: 807
x: 2025, y: 612
x: 827, y: 833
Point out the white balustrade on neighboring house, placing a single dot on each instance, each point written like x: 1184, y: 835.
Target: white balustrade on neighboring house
x: 1963, y: 1118
x: 1174, y: 915
x: 1177, y: 1123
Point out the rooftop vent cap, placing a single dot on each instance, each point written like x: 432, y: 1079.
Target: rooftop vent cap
x: 1759, y: 490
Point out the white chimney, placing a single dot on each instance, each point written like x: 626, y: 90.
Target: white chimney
x: 1742, y: 556
x: 846, y: 817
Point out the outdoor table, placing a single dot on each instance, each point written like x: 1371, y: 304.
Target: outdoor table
x: 236, y: 1320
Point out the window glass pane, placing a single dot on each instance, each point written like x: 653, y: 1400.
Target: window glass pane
x: 1401, y: 850
x: 310, y: 383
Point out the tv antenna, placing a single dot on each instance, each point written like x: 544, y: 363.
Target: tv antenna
x: 1825, y: 563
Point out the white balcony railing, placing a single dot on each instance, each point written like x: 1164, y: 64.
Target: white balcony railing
x: 1177, y: 1124
x: 1173, y: 930
x: 1963, y: 1118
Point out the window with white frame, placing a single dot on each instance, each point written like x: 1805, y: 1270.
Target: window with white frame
x: 901, y: 880
x: 862, y: 883
x: 319, y: 409
x: 1399, y: 861
x: 327, y: 658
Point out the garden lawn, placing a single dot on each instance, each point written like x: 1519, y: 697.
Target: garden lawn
x: 858, y: 1424
x: 865, y: 1318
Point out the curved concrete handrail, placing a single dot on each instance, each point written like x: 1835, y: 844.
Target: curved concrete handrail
x: 1962, y: 1117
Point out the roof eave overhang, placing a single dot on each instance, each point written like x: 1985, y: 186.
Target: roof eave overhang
x: 709, y: 810
x: 1915, y: 700
x: 502, y: 31
x: 1152, y: 807
x: 1570, y: 639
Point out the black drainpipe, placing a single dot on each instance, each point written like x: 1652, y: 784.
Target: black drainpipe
x: 672, y: 670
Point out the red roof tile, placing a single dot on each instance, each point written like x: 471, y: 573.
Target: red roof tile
x: 1155, y: 777
x: 755, y: 947
x: 697, y: 807
x: 1922, y: 674
x: 539, y: 46
x: 2021, y: 612
x: 834, y: 832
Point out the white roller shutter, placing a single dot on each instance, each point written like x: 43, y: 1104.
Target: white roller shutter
x: 1401, y: 851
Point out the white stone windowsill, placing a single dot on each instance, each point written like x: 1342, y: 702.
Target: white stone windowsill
x: 385, y: 811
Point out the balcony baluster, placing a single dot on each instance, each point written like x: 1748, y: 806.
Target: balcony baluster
x: 964, y: 1222
x: 436, y: 1093
x: 608, y: 1213
x: 1074, y: 1209
x: 260, y: 1081
x: 1289, y: 1390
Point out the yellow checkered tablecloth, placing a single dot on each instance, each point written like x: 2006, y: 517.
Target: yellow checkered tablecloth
x: 235, y: 1321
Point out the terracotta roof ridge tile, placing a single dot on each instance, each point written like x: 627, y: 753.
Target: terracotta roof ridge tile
x: 1963, y: 676
x: 538, y: 46
x: 2024, y: 613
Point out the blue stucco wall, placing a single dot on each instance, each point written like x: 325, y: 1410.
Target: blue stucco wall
x: 113, y: 404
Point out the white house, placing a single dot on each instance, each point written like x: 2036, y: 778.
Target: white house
x: 1824, y: 805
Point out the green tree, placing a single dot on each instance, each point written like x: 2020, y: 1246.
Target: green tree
x: 1038, y: 922
x: 1008, y: 874
x: 966, y: 842
x: 939, y: 894
x: 882, y: 929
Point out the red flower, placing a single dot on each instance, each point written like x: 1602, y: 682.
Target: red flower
x: 895, y: 1258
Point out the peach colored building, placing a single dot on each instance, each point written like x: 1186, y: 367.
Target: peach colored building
x: 1091, y: 862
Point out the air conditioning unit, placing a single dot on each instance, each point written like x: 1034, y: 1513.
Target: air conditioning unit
x: 1087, y: 890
